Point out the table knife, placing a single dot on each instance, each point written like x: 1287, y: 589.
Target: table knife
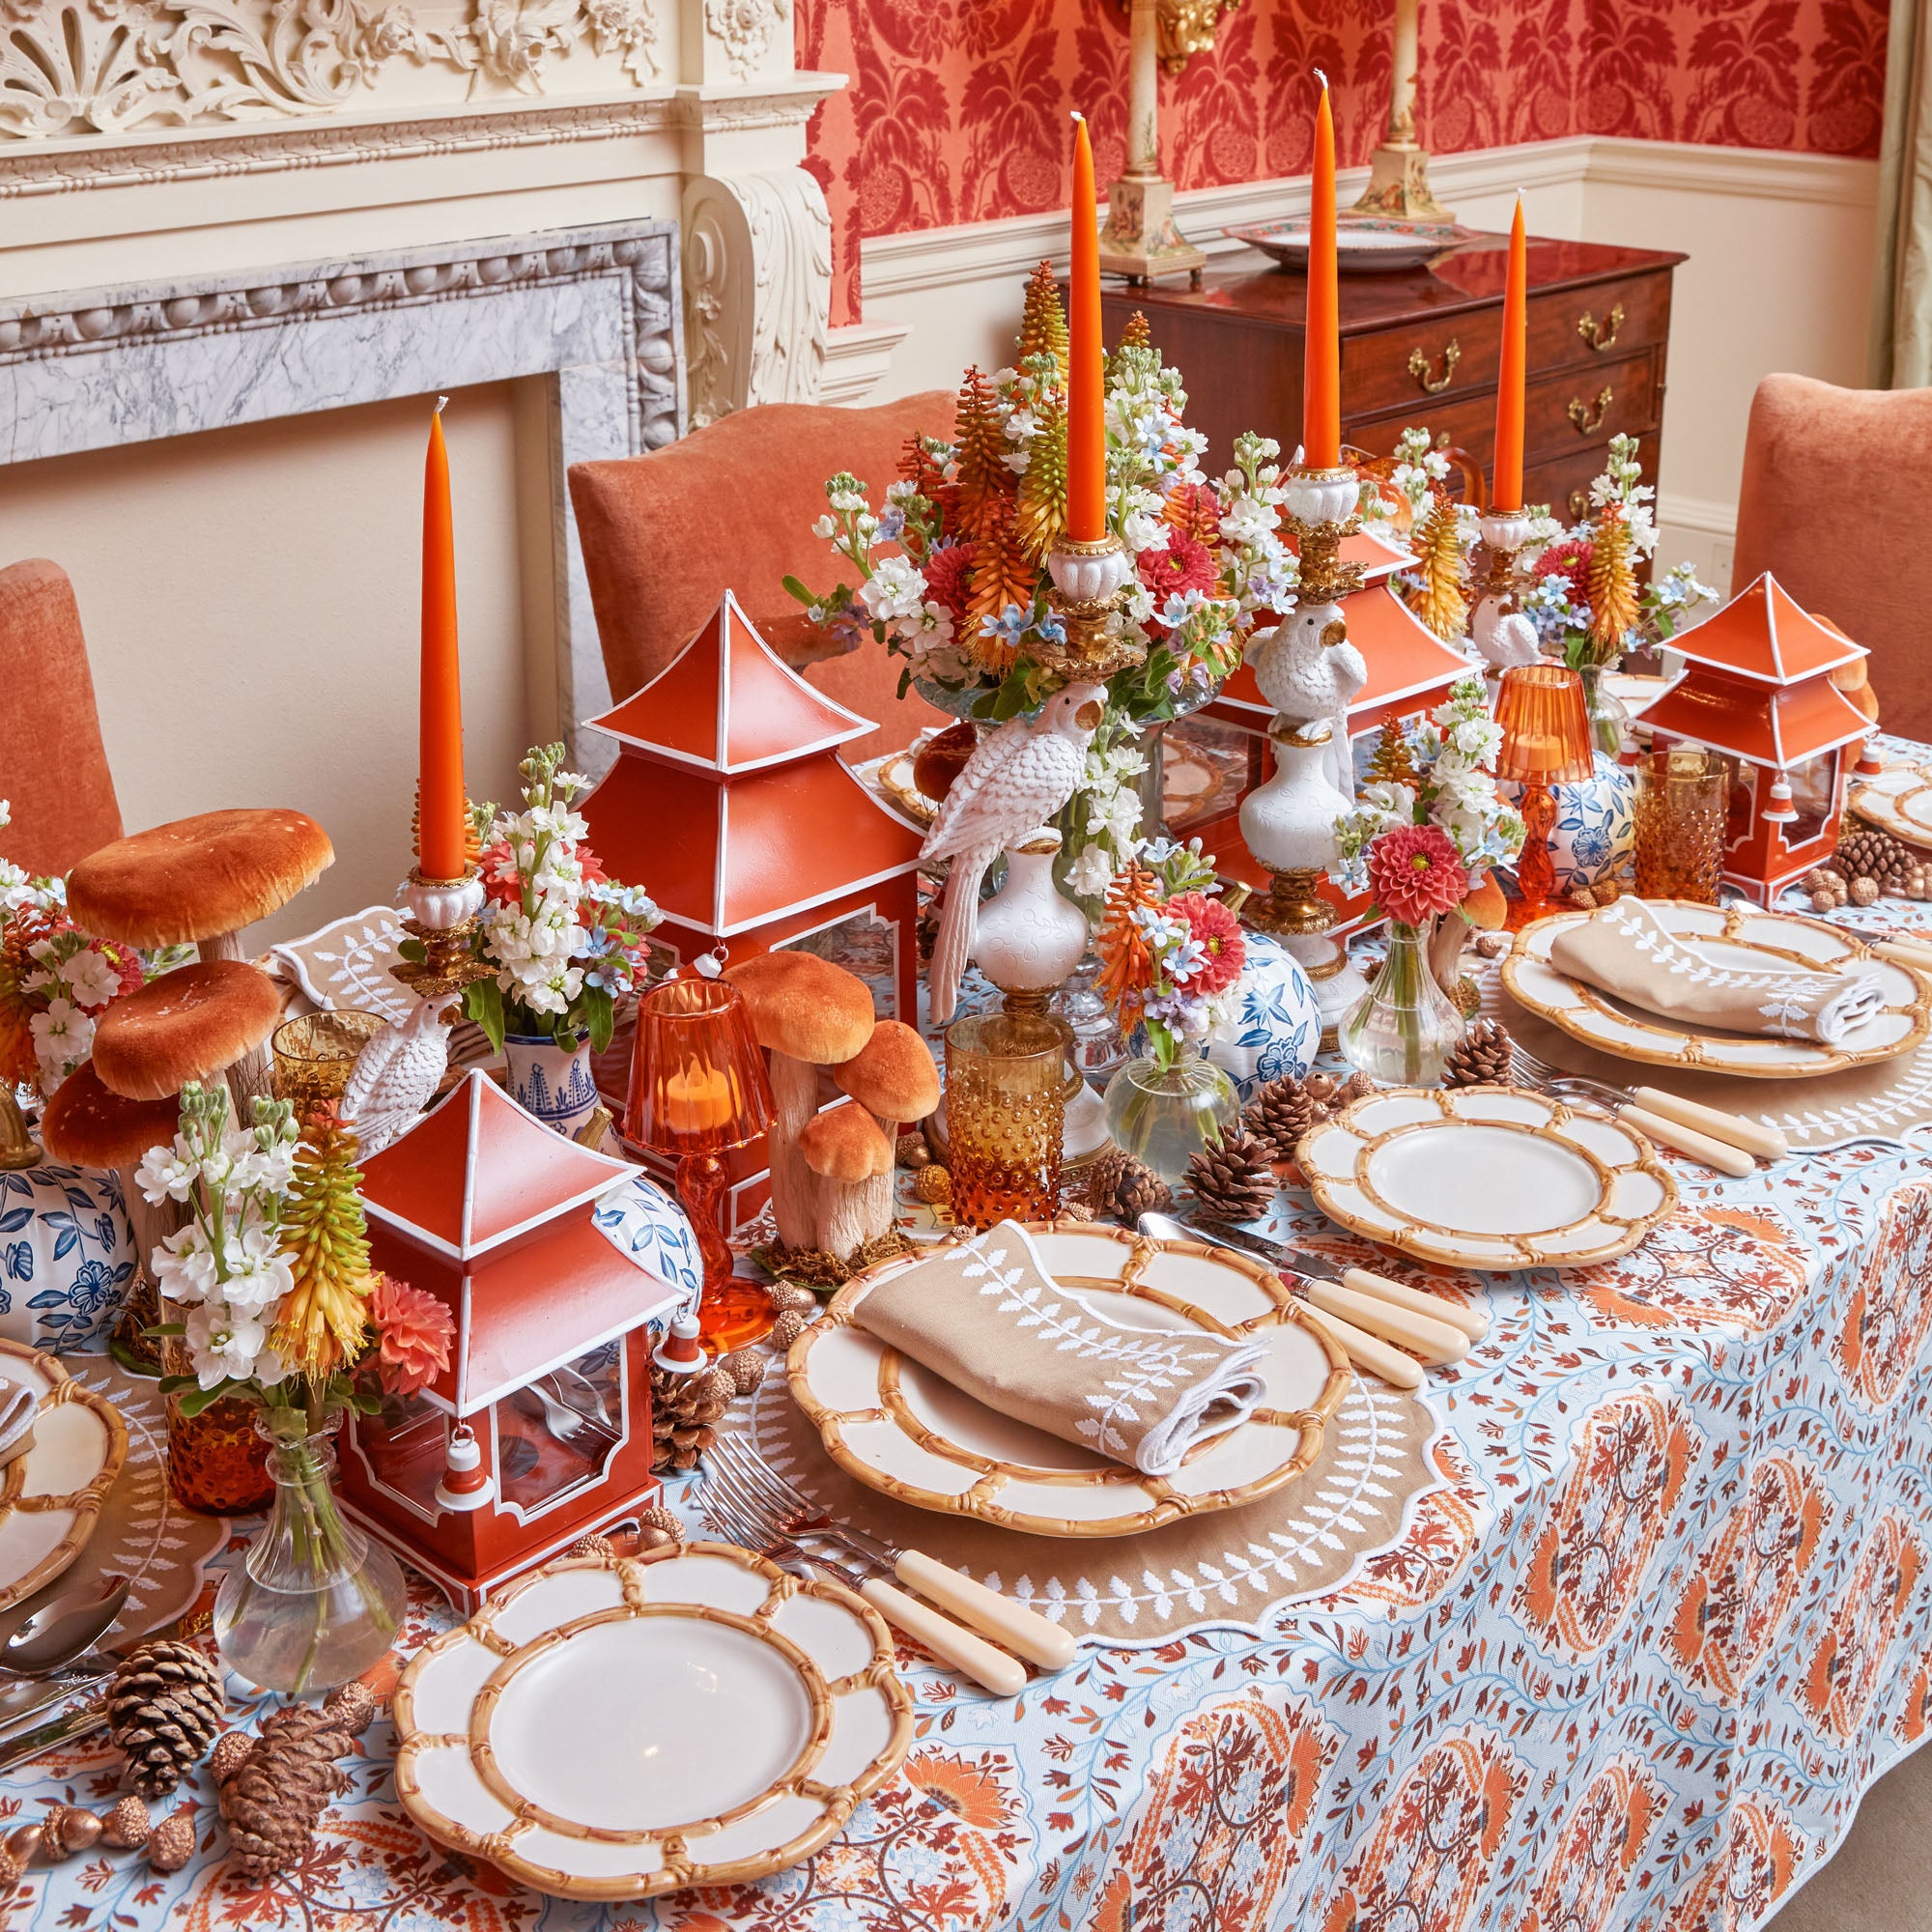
x: 27, y: 1746
x: 22, y: 1700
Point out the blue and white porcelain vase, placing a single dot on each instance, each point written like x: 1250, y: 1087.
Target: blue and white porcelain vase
x: 1596, y: 824
x: 552, y: 1082
x: 1277, y: 1027
x: 67, y: 1255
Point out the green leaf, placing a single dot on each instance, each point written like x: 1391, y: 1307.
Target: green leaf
x: 196, y: 1398
x: 411, y: 949
x: 598, y: 1014
x: 483, y: 1002
x: 798, y: 590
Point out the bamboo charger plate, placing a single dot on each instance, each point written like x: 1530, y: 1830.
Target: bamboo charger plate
x: 618, y: 1728
x: 898, y: 1428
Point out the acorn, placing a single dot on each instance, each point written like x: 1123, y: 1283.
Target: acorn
x: 171, y: 1843
x: 23, y: 1842
x: 67, y: 1830
x: 127, y: 1826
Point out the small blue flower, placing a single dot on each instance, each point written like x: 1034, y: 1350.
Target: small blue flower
x: 1009, y: 626
x: 891, y: 524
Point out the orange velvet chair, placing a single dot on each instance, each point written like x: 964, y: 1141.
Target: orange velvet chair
x: 731, y: 506
x: 1830, y: 479
x: 53, y: 767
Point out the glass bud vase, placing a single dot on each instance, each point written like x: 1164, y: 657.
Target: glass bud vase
x: 1403, y: 1030
x: 1164, y: 1113
x: 1611, y: 720
x: 313, y: 1602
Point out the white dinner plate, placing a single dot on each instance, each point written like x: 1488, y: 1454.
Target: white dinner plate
x: 615, y: 1727
x: 1487, y: 1178
x: 1369, y: 245
x: 1898, y: 801
x: 51, y: 1497
x: 1747, y: 940
x: 908, y: 1433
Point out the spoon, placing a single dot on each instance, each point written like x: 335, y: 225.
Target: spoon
x: 63, y: 1629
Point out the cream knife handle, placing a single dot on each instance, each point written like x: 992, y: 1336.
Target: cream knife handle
x: 1400, y: 1371
x: 1768, y: 1143
x: 1902, y: 952
x: 1474, y: 1323
x: 1432, y: 1341
x: 1720, y: 1154
x: 950, y: 1643
x: 1022, y: 1631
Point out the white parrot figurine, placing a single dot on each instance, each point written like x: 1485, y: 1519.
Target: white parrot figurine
x: 1015, y: 781
x: 395, y: 1076
x: 1309, y: 671
x: 1502, y: 639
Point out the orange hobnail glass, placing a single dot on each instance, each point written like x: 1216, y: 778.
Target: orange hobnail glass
x: 699, y: 1088
x: 217, y: 1461
x: 1546, y: 728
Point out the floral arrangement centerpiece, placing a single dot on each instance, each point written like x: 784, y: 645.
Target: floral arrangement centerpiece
x: 1171, y: 958
x: 1422, y: 836
x: 952, y: 574
x: 274, y: 1305
x: 563, y: 941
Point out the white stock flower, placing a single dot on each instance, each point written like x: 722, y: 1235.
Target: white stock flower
x: 166, y: 1172
x: 1142, y: 532
x: 63, y: 1038
x: 222, y: 1342
x: 185, y: 1270
x: 1090, y: 872
x: 895, y: 589
x: 257, y: 1273
x: 92, y: 980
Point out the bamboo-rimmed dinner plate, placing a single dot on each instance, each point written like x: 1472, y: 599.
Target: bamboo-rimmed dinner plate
x: 1487, y: 1178
x: 906, y: 1432
x: 50, y: 1496
x: 1898, y: 801
x: 1746, y: 940
x: 613, y: 1727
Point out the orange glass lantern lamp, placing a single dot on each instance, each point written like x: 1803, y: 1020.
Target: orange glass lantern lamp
x: 698, y: 1089
x: 1545, y: 728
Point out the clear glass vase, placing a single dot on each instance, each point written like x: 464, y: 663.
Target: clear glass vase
x: 1164, y: 1112
x: 313, y: 1602
x: 1611, y: 720
x: 1403, y: 1030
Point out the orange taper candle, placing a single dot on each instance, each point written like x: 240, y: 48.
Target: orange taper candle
x: 1321, y: 340
x: 1087, y: 384
x: 440, y: 840
x: 1507, y: 492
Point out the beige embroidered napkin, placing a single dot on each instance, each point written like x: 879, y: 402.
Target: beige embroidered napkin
x: 989, y: 1318
x: 1624, y: 949
x: 18, y: 1407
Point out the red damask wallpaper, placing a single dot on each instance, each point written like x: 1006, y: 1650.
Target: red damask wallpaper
x: 957, y: 109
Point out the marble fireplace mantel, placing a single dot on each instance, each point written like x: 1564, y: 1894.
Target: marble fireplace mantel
x: 592, y: 310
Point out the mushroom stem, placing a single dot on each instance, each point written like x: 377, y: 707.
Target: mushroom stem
x: 844, y: 1215
x: 795, y: 1187
x: 220, y: 945
x: 253, y: 1073
x: 150, y: 1225
x: 880, y: 1197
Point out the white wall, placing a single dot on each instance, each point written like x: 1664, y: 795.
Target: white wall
x: 1778, y: 278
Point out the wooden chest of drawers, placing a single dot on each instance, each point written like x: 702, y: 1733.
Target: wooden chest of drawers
x: 1420, y: 348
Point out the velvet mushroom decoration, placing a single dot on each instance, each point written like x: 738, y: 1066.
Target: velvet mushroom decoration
x: 194, y: 1024
x: 202, y: 881
x: 806, y: 1013
x: 86, y: 1123
x: 893, y: 1077
x: 844, y: 1148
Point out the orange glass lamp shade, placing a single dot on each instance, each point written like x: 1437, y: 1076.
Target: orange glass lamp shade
x: 1545, y: 728
x: 699, y: 1088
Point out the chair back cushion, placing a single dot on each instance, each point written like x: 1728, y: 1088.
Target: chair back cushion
x: 1830, y: 476
x: 731, y: 506
x: 53, y: 767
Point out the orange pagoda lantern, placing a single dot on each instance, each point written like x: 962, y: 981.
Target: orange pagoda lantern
x: 729, y: 801
x: 1759, y: 692
x: 551, y: 1261
x: 1410, y: 671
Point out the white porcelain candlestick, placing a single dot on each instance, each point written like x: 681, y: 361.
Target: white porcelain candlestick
x: 1089, y: 578
x: 1501, y: 635
x: 1030, y: 936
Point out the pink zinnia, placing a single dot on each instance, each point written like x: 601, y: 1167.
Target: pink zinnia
x: 1415, y: 872
x: 415, y: 1331
x: 1219, y: 931
x: 1184, y: 565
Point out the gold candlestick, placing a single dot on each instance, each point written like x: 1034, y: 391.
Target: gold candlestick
x: 443, y: 923
x: 1089, y: 582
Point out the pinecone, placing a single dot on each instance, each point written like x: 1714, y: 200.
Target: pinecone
x: 171, y: 1843
x: 163, y: 1709
x: 1139, y: 1190
x: 273, y: 1801
x: 1481, y: 1058
x: 1868, y: 853
x: 1280, y: 1114
x: 1233, y: 1179
x: 12, y: 1872
x: 685, y: 1413
x: 230, y: 1750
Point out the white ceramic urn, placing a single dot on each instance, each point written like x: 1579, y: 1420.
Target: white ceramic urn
x: 1030, y: 936
x: 1288, y: 823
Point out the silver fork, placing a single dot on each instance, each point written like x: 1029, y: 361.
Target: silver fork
x: 951, y: 1643
x: 1727, y: 1142
x: 773, y: 1500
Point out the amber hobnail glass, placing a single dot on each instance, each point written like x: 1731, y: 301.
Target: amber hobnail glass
x: 315, y: 1054
x: 1006, y: 1115
x: 1546, y: 728
x: 1682, y: 801
x: 217, y: 1463
x: 699, y: 1088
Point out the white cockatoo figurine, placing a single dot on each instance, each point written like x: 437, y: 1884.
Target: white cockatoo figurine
x: 1502, y: 637
x: 395, y: 1077
x: 1013, y: 784
x: 1310, y: 672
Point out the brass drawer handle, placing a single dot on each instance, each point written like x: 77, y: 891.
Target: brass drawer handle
x: 1418, y: 367
x: 1601, y: 337
x: 1589, y: 419
x: 1580, y: 504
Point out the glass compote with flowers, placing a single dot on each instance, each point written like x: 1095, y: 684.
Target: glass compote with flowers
x: 275, y: 1312
x: 563, y: 944
x: 1171, y: 958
